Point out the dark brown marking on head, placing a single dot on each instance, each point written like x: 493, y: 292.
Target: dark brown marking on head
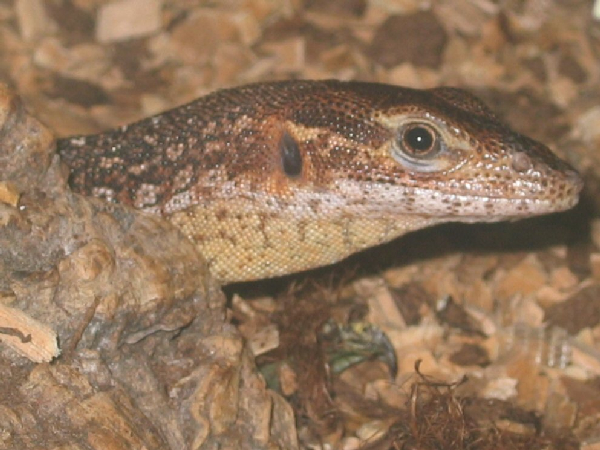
x: 315, y: 205
x: 222, y: 214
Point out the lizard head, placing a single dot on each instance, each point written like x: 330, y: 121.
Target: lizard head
x: 273, y: 178
x: 438, y: 153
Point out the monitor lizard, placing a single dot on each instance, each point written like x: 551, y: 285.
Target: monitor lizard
x: 273, y: 178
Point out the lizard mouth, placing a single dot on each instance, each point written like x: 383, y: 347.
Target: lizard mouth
x: 563, y: 187
x: 464, y: 201
x: 519, y: 200
x: 498, y: 207
x: 538, y: 191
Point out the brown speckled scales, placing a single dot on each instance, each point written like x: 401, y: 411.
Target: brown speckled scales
x: 272, y: 178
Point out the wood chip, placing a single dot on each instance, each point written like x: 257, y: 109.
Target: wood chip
x: 9, y: 194
x: 34, y: 22
x: 126, y: 19
x: 27, y: 336
x: 525, y: 278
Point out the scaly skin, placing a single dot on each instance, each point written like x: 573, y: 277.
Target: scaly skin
x: 274, y: 178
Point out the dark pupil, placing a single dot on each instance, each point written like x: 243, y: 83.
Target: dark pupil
x: 419, y: 139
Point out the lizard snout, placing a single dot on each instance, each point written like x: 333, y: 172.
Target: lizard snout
x: 575, y: 180
x: 522, y: 163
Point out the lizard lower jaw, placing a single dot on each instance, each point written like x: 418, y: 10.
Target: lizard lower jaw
x: 485, y: 209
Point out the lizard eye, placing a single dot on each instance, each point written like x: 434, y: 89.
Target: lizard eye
x: 419, y: 141
x: 419, y: 146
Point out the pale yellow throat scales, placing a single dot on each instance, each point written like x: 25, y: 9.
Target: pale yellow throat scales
x: 253, y: 245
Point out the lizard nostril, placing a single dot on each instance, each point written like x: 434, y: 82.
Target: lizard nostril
x: 575, y: 179
x: 521, y: 162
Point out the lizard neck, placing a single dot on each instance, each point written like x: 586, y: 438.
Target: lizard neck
x: 240, y: 242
